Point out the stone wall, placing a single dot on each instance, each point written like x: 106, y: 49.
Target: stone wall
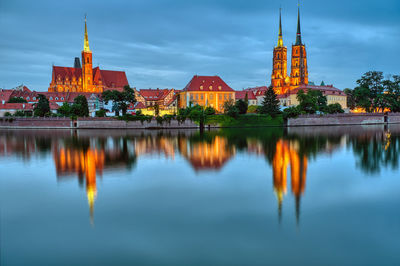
x: 44, y: 123
x: 344, y: 119
x: 90, y: 123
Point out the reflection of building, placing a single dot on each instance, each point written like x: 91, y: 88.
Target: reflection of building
x: 286, y: 154
x: 205, y: 155
x: 84, y: 163
x: 159, y: 145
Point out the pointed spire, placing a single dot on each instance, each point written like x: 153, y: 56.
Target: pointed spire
x: 298, y: 36
x: 86, y: 43
x: 280, y: 39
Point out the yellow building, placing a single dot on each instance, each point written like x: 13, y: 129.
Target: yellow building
x: 206, y: 91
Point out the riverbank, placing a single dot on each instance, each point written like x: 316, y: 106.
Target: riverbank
x: 213, y: 121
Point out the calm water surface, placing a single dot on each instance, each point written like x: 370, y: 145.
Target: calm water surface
x: 303, y: 196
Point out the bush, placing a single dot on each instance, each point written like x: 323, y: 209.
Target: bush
x: 241, y: 106
x: 19, y: 113
x: 291, y: 112
x: 159, y: 120
x: 101, y: 113
x: 335, y: 108
x: 252, y: 109
x: 138, y: 112
x: 209, y: 111
x: 7, y: 114
x: 230, y: 109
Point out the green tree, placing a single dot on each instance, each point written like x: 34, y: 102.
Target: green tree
x: 19, y: 113
x: 242, y: 106
x: 291, y: 112
x: 371, y: 83
x: 246, y: 99
x: 335, y: 108
x: 120, y: 100
x: 156, y: 109
x: 270, y: 104
x: 64, y: 110
x: 209, y: 110
x: 42, y: 107
x: 80, y: 107
x: 231, y: 109
x: 17, y: 100
x: 101, y: 113
x: 312, y: 101
x: 351, y: 101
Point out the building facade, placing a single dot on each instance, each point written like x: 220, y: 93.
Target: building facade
x: 206, y: 91
x: 280, y: 81
x: 86, y: 78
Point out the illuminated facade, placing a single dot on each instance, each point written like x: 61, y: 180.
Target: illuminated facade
x: 280, y: 81
x: 86, y: 79
x: 206, y: 91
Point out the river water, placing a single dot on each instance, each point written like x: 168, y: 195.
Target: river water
x: 270, y: 196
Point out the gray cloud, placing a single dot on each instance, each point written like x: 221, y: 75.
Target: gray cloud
x: 163, y: 43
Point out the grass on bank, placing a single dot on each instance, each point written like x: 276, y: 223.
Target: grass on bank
x: 248, y: 120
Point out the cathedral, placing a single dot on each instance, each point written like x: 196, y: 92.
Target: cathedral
x: 86, y: 79
x: 280, y: 81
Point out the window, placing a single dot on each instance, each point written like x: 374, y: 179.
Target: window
x: 27, y: 98
x: 225, y: 97
x: 51, y: 98
x: 34, y: 98
x: 210, y: 87
x: 62, y: 98
x: 211, y: 96
x: 220, y: 96
x: 201, y: 87
x: 56, y: 98
x: 201, y: 96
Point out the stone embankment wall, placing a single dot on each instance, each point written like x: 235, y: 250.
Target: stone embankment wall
x: 89, y: 123
x: 344, y: 119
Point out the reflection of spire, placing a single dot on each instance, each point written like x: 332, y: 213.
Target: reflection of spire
x: 298, y: 210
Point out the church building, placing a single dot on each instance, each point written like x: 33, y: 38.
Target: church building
x: 280, y: 81
x: 86, y: 79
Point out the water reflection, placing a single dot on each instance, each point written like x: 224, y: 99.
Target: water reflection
x: 85, y: 155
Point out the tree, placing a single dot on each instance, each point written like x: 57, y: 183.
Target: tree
x: 156, y: 109
x: 291, y: 112
x: 246, y: 99
x: 335, y: 108
x: 17, y: 100
x: 231, y: 109
x: 371, y: 84
x: 64, y: 110
x: 42, y: 107
x: 308, y: 103
x: 242, y: 106
x: 209, y: 110
x: 101, y: 113
x: 120, y: 100
x: 80, y: 107
x: 351, y: 101
x: 19, y: 113
x: 270, y: 104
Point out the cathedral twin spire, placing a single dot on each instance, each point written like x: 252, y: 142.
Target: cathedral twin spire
x: 298, y: 34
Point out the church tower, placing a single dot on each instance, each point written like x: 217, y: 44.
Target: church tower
x: 279, y: 76
x: 299, y: 70
x: 87, y: 66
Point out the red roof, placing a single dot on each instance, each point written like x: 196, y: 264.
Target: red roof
x: 16, y: 106
x: 242, y: 95
x: 207, y: 83
x: 258, y: 91
x: 115, y: 80
x: 154, y: 95
x: 326, y: 90
x: 5, y: 95
x: 64, y: 72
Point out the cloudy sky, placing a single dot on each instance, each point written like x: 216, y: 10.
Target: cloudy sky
x: 163, y: 43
